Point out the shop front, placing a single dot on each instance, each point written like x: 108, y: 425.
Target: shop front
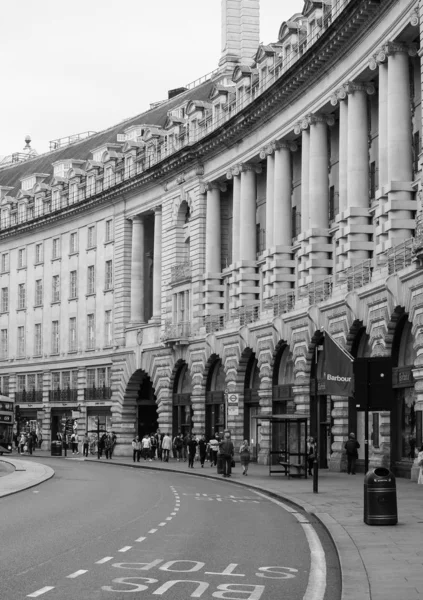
x: 181, y: 401
x: 215, y: 400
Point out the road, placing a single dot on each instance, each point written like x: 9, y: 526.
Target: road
x: 110, y: 532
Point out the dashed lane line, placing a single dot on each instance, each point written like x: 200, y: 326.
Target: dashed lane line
x: 104, y: 560
x: 77, y: 574
x: 152, y: 531
x: 168, y: 518
x: 40, y: 592
x: 125, y: 549
x: 162, y: 524
x: 140, y: 539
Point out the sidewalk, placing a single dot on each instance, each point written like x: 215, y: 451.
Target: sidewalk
x: 378, y: 563
x: 21, y: 475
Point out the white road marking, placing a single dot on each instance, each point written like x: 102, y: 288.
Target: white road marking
x: 173, y: 514
x: 316, y: 586
x: 76, y: 574
x: 125, y: 549
x: 36, y: 492
x: 152, y: 531
x: 168, y: 518
x: 140, y: 539
x: 41, y: 591
x: 104, y: 560
x: 162, y: 524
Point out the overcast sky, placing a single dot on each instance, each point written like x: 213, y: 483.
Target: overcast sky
x: 69, y: 67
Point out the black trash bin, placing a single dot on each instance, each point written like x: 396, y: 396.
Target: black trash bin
x: 380, y: 497
x: 56, y: 448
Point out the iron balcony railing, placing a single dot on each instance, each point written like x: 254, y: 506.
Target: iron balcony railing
x: 400, y: 256
x: 282, y: 303
x: 418, y: 238
x: 66, y: 395
x: 176, y: 331
x: 214, y: 323
x: 317, y: 291
x: 180, y: 271
x: 97, y: 393
x: 30, y: 396
x: 246, y: 314
x: 357, y: 276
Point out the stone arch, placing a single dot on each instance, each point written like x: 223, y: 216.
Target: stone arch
x: 182, y: 409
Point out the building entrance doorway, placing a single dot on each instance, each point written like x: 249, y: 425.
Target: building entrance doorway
x: 147, y: 417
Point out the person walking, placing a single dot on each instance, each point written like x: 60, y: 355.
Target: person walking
x: 351, y: 447
x: 192, y: 449
x: 245, y: 456
x: 85, y: 444
x: 114, y: 442
x: 146, y: 447
x: 136, y: 449
x: 202, y: 447
x: 108, y: 446
x: 226, y: 448
x: 74, y: 441
x: 159, y: 439
x: 178, y: 443
x: 185, y: 440
x: 29, y: 443
x: 40, y: 440
x: 153, y: 446
x: 22, y: 441
x: 214, y: 449
x: 166, y: 447
x: 311, y: 454
x: 420, y: 463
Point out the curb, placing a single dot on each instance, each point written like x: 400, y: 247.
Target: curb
x: 355, y: 583
x: 36, y: 473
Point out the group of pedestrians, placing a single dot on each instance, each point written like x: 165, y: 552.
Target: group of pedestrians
x: 27, y: 442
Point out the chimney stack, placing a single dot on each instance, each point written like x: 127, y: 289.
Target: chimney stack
x: 240, y: 31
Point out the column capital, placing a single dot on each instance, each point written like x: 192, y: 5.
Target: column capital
x: 301, y: 125
x: 157, y: 209
x: 135, y: 218
x: 378, y: 58
x: 212, y: 185
x: 391, y: 48
x: 233, y: 172
x: 267, y: 150
x: 321, y: 118
x: 285, y: 145
x: 247, y: 166
x: 359, y: 86
x: 338, y: 95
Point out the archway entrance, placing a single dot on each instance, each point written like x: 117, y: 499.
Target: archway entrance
x: 282, y: 395
x: 252, y: 425
x: 320, y: 408
x: 215, y: 400
x: 181, y: 400
x: 147, y: 417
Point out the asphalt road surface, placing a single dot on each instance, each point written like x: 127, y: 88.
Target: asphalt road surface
x: 110, y: 532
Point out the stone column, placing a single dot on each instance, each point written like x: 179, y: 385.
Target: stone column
x: 305, y: 175
x: 248, y: 233
x: 137, y: 270
x: 270, y: 196
x: 213, y: 229
x: 282, y: 218
x: 266, y: 398
x: 157, y: 264
x: 236, y: 216
x: 343, y: 150
x: 198, y: 399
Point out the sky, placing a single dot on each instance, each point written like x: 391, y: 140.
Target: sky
x: 70, y: 67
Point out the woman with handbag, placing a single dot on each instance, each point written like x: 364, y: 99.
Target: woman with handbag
x: 420, y: 463
x: 245, y: 456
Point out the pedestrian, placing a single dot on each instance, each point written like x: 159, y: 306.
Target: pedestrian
x: 178, y: 443
x: 311, y: 454
x: 166, y: 446
x: 245, y: 456
x: 420, y: 463
x: 146, y: 447
x: 74, y: 442
x: 136, y: 449
x: 226, y: 449
x: 108, y: 445
x: 22, y: 441
x: 100, y: 446
x: 34, y: 439
x: 351, y: 447
x: 153, y: 447
x: 29, y: 444
x: 114, y: 442
x: 214, y: 449
x: 202, y: 447
x: 40, y: 440
x: 192, y: 449
x: 185, y: 440
x: 85, y: 444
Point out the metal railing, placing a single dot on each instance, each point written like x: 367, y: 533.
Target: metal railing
x: 400, y: 256
x: 70, y: 139
x: 180, y: 271
x: 357, y: 276
x: 97, y: 393
x: 66, y: 395
x: 317, y: 291
x: 29, y: 396
x: 282, y: 303
x: 246, y: 314
x: 418, y: 238
x: 176, y: 331
x: 214, y: 323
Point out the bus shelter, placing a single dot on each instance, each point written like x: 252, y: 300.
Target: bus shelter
x: 288, y: 444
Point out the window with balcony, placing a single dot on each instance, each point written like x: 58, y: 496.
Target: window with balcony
x: 55, y: 292
x: 98, y: 385
x: 73, y: 243
x: 38, y: 340
x: 4, y: 299
x: 21, y: 258
x: 109, y: 230
x: 5, y: 262
x: 91, y: 237
x: 64, y: 386
x: 21, y: 296
x: 91, y: 280
x: 29, y: 388
x: 38, y: 253
x: 21, y: 341
x: 73, y: 284
x: 55, y: 337
x: 38, y: 301
x: 4, y: 344
x: 108, y: 275
x: 108, y: 328
x: 73, y: 341
x: 56, y: 248
x: 90, y: 332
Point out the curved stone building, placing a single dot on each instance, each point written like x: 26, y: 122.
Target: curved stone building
x: 176, y: 270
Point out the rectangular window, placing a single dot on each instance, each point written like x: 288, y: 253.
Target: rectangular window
x: 55, y: 340
x: 21, y: 296
x: 73, y: 284
x: 4, y: 344
x: 102, y: 377
x: 55, y: 295
x: 5, y: 262
x: 38, y: 253
x: 4, y: 385
x: 108, y: 328
x: 91, y: 280
x: 90, y: 332
x: 38, y: 292
x: 20, y: 383
x: 21, y: 258
x: 331, y: 203
x: 38, y: 342
x: 90, y: 378
x: 109, y: 230
x: 416, y: 151
x: 21, y: 341
x: 55, y: 200
x: 72, y: 335
x: 73, y: 243
x: 91, y: 237
x: 108, y: 275
x: 56, y: 248
x: 4, y: 299
x: 372, y: 182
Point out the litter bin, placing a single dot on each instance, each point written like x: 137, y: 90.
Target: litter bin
x: 219, y: 464
x: 56, y: 448
x: 380, y: 497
